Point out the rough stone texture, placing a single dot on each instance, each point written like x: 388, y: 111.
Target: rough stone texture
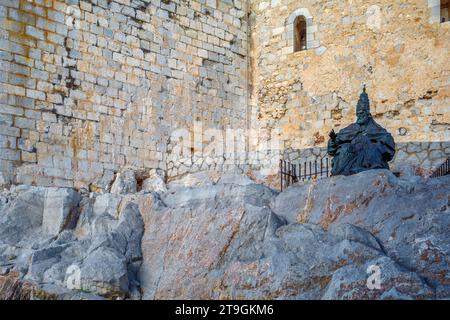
x: 58, y: 206
x: 240, y: 240
x: 12, y: 288
x: 91, y: 86
x: 125, y: 182
x: 4, y: 182
x: 301, y: 96
x: 44, y: 232
x: 88, y: 87
x: 103, y: 183
x: 409, y: 217
x: 220, y: 236
x: 155, y: 182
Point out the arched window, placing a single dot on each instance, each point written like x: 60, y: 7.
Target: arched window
x: 440, y: 11
x: 300, y: 33
x: 445, y: 10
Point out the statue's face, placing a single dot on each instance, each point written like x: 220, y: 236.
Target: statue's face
x: 362, y: 117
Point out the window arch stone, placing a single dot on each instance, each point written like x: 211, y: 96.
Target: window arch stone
x: 300, y: 34
x: 440, y: 11
x: 311, y: 29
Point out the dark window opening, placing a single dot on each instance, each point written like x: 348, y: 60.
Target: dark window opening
x: 299, y: 34
x: 445, y: 10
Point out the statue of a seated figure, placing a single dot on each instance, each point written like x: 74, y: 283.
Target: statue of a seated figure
x: 361, y: 146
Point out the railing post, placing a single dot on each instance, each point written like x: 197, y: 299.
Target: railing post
x: 321, y: 167
x: 310, y: 170
x: 304, y: 171
x: 281, y: 174
x: 291, y: 173
x: 442, y: 170
x: 315, y: 168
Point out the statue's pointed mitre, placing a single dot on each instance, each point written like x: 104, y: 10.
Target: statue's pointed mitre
x: 363, y: 102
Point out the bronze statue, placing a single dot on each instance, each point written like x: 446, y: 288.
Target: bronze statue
x: 361, y: 146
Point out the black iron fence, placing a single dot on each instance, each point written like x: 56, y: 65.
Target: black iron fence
x: 291, y: 173
x: 442, y: 170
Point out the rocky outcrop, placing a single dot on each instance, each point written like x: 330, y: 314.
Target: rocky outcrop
x: 221, y: 236
x: 315, y: 240
x: 48, y: 236
x: 409, y: 218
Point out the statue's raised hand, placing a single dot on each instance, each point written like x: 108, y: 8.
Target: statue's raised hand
x: 332, y: 135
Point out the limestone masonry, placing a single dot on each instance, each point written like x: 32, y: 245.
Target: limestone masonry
x: 399, y: 49
x: 88, y: 87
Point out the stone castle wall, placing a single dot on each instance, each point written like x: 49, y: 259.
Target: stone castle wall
x: 399, y: 49
x: 89, y: 86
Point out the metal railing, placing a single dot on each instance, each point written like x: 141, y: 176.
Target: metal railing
x: 442, y: 170
x: 291, y: 173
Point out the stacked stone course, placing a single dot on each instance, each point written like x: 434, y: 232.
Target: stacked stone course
x: 88, y: 86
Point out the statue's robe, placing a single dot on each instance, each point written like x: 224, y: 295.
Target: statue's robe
x: 359, y: 148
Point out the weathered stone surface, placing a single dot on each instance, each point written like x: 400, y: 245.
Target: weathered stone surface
x: 231, y: 238
x: 42, y: 237
x: 349, y: 282
x: 12, y: 288
x: 202, y: 178
x: 103, y: 184
x: 58, y: 209
x: 21, y: 217
x: 182, y: 225
x: 154, y: 183
x: 409, y: 218
x: 125, y: 182
x: 105, y: 271
x: 4, y: 182
x: 220, y: 242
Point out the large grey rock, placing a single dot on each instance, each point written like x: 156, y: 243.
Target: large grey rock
x: 350, y: 282
x: 104, y: 182
x: 98, y: 215
x: 195, y: 229
x: 211, y: 236
x: 4, y: 180
x: 125, y: 182
x: 155, y: 182
x: 36, y: 213
x: 238, y: 240
x: 110, y: 265
x: 203, y: 178
x: 409, y: 217
x: 104, y: 271
x: 59, y: 204
x: 22, y: 217
x: 46, y: 231
x: 235, y: 178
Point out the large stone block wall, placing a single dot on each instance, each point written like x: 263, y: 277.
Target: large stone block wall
x: 89, y: 86
x: 399, y: 49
